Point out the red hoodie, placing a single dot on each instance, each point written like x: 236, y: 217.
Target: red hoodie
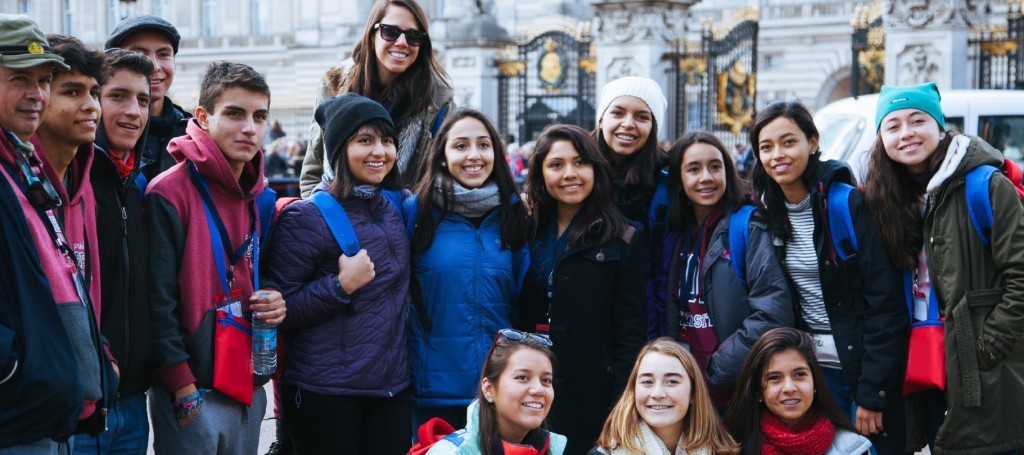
x: 197, y: 284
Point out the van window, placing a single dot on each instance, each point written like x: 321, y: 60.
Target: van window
x: 839, y: 134
x: 954, y: 125
x: 1004, y: 132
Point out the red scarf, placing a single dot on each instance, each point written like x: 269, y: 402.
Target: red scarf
x: 812, y: 436
x: 124, y: 167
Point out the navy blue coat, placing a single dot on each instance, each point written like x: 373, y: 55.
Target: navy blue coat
x: 469, y: 284
x: 341, y: 344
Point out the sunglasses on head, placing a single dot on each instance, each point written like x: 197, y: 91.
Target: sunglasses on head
x: 391, y: 33
x: 518, y: 335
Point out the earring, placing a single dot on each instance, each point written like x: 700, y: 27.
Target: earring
x: 490, y: 399
x: 444, y: 164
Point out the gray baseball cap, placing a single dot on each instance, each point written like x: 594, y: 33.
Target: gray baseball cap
x: 23, y: 45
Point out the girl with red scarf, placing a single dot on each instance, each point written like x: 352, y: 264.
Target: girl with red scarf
x: 782, y: 404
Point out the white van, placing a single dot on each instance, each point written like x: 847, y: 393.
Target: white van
x: 847, y: 126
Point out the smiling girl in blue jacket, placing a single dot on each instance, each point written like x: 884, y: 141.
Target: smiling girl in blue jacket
x: 468, y: 261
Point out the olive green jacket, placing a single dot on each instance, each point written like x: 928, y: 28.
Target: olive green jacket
x: 333, y: 84
x: 981, y: 292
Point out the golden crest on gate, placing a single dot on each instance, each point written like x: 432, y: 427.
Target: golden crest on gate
x: 551, y: 68
x: 735, y: 100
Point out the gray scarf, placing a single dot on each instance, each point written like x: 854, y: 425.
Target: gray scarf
x: 469, y: 202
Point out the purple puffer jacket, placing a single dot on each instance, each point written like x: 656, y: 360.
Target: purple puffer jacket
x: 341, y: 344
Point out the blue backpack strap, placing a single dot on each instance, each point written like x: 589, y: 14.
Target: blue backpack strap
x: 142, y: 182
x: 840, y: 221
x: 337, y: 221
x: 406, y: 207
x: 739, y: 237
x: 438, y: 120
x: 979, y: 202
x: 265, y: 203
x: 659, y: 202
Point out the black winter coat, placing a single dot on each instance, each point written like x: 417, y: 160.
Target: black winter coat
x: 124, y: 265
x: 866, y: 306
x: 598, y: 310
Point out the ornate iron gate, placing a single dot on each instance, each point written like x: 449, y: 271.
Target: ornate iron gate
x: 547, y: 79
x: 1000, y: 52
x: 867, y: 69
x: 715, y: 86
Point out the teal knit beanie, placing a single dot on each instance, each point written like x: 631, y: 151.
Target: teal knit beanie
x: 924, y: 97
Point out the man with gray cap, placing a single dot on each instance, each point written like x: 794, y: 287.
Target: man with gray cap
x: 51, y: 358
x: 157, y: 39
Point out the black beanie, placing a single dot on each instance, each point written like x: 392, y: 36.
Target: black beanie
x: 340, y: 118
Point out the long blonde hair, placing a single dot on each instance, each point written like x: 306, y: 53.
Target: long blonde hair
x: 700, y: 424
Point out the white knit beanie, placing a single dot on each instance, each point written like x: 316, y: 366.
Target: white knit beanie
x: 641, y: 87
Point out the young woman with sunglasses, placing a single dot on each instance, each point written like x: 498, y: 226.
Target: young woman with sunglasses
x: 782, y: 404
x: 469, y: 260
x: 393, y: 64
x: 665, y: 409
x: 630, y: 111
x: 515, y: 393
x: 854, y: 308
x: 917, y: 175
x: 699, y: 297
x: 587, y: 281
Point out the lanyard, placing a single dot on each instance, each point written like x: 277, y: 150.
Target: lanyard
x: 34, y: 184
x: 219, y: 235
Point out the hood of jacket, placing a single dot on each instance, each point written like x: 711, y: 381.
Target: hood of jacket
x: 827, y: 172
x: 964, y: 153
x: 198, y: 147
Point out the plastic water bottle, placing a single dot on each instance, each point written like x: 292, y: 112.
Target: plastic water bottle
x: 264, y: 347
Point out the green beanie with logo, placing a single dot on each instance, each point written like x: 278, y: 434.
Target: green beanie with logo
x: 924, y: 97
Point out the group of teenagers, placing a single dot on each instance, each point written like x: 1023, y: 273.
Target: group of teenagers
x: 671, y: 306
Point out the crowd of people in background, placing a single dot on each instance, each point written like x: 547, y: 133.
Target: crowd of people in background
x: 434, y: 290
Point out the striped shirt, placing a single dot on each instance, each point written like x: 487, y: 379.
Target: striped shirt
x: 802, y: 267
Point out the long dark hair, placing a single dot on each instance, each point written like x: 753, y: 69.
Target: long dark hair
x: 892, y: 195
x: 497, y: 360
x: 641, y: 167
x: 413, y: 90
x: 598, y: 213
x: 743, y: 418
x: 680, y: 210
x: 513, y: 216
x: 766, y: 189
x: 343, y: 181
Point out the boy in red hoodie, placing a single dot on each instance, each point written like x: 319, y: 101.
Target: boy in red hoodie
x: 199, y: 213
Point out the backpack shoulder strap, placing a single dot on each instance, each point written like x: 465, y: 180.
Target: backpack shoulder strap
x: 659, y: 202
x: 265, y: 208
x: 840, y: 221
x: 739, y: 237
x: 438, y: 119
x: 979, y: 202
x: 406, y: 207
x: 337, y: 221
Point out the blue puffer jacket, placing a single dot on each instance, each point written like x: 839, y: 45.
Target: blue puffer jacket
x: 342, y: 344
x: 469, y: 284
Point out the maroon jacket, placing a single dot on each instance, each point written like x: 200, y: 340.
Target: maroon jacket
x: 184, y: 281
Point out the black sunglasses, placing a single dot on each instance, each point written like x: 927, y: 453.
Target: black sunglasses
x: 518, y: 335
x: 391, y: 33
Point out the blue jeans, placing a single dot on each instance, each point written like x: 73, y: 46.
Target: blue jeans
x: 40, y: 447
x: 127, y: 430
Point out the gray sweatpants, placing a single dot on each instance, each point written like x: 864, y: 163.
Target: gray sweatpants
x: 223, y: 426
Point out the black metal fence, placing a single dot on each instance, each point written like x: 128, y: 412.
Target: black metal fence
x: 715, y: 85
x: 1000, y: 53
